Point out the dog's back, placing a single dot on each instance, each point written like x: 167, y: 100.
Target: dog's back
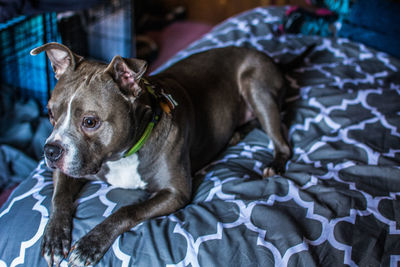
x: 218, y: 84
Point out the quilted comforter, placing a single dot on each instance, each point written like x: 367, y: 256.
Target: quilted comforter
x: 338, y: 204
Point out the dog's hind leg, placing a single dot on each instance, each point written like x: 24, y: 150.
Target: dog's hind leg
x: 261, y: 86
x: 267, y: 112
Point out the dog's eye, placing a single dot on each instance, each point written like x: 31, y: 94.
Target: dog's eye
x: 90, y: 122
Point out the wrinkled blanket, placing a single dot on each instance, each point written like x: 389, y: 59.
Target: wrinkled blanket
x: 338, y: 204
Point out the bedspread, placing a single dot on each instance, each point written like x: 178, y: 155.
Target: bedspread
x: 338, y: 203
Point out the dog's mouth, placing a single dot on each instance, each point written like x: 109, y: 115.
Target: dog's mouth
x: 73, y: 170
x: 50, y: 164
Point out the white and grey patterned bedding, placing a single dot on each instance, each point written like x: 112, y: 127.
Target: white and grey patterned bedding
x: 337, y: 204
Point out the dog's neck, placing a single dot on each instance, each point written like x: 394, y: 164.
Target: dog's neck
x: 161, y: 102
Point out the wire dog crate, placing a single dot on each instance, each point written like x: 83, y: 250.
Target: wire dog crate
x: 100, y: 33
x: 28, y: 75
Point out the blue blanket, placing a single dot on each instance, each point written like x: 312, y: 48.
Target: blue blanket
x: 336, y: 205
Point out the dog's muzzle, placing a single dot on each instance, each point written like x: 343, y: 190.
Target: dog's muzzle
x: 53, y: 152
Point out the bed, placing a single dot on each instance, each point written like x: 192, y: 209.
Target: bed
x: 337, y: 204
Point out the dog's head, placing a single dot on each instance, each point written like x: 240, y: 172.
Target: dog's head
x: 92, y: 109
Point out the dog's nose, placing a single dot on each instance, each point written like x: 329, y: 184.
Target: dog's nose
x: 53, y: 152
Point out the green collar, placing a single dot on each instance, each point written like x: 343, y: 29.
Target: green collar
x: 144, y: 137
x: 166, y: 104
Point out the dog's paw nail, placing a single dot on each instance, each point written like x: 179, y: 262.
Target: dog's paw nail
x: 57, y: 260
x: 76, y: 259
x: 48, y: 258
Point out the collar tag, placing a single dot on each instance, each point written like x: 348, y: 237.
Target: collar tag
x: 166, y: 101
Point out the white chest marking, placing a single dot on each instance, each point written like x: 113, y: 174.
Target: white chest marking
x: 123, y: 173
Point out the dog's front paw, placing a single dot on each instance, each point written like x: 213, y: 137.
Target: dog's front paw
x: 89, y: 249
x: 56, y: 240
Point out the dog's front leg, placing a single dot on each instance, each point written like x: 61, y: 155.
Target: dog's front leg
x: 91, y: 248
x: 56, y: 241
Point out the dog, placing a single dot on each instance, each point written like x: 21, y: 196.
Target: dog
x: 112, y: 123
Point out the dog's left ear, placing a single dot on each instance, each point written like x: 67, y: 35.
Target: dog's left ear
x: 127, y: 73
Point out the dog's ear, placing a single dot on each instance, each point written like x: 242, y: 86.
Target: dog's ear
x: 61, y: 57
x: 127, y: 73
